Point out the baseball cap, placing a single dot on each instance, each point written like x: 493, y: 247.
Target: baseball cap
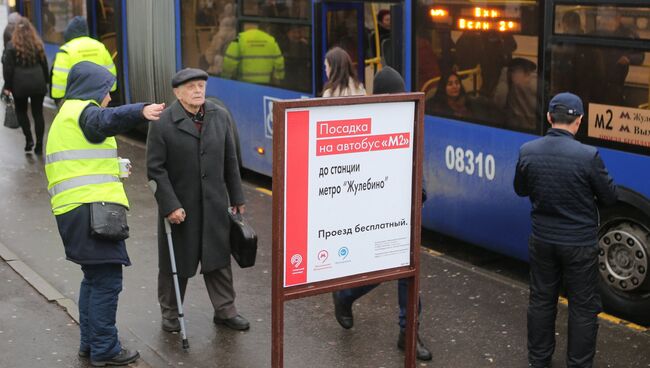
x: 566, y: 103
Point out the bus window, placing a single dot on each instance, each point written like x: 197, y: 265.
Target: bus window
x: 55, y: 15
x: 477, y: 61
x: 602, y: 21
x: 612, y: 81
x: 295, y: 9
x: 286, y: 24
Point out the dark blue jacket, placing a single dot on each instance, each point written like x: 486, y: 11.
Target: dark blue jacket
x: 566, y: 182
x: 89, y: 81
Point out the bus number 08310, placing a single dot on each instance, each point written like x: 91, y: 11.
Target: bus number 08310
x: 465, y: 161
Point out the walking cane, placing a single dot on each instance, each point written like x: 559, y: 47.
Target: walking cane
x: 168, y: 230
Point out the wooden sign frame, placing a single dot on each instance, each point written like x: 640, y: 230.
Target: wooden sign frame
x: 281, y: 294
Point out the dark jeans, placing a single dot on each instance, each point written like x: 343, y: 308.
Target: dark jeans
x: 348, y: 296
x: 37, y: 114
x: 98, y: 296
x: 578, y: 266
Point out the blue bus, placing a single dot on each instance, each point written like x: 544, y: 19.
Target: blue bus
x: 488, y: 69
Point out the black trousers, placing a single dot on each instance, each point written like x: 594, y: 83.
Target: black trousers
x: 37, y: 114
x: 578, y: 266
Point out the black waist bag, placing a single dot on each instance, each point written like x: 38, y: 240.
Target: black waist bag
x: 243, y: 241
x: 108, y: 221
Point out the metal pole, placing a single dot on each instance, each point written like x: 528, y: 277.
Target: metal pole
x: 177, y: 289
x: 170, y: 244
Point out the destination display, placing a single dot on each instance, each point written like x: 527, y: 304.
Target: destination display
x: 619, y: 124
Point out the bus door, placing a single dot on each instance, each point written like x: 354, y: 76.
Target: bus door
x: 104, y: 21
x: 354, y: 26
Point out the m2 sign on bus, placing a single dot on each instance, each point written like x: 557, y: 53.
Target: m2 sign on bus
x: 348, y: 182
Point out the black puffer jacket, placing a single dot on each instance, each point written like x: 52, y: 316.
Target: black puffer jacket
x: 566, y: 181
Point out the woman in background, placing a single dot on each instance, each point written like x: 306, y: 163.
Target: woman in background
x: 450, y: 98
x: 26, y: 73
x: 341, y: 77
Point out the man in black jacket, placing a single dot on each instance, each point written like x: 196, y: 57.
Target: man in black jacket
x: 566, y: 181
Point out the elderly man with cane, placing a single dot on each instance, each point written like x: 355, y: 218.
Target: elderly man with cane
x: 191, y: 156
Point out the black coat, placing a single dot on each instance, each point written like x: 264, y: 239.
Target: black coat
x: 566, y: 181
x: 198, y: 172
x: 21, y: 79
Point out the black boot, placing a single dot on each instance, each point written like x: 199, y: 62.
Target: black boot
x: 421, y: 351
x: 124, y: 357
x: 38, y: 148
x: 343, y: 312
x: 29, y: 144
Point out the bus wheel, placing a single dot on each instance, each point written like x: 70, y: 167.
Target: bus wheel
x: 624, y: 241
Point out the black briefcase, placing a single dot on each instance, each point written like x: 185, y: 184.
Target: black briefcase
x: 243, y: 240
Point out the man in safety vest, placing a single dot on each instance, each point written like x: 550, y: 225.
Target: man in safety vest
x: 255, y: 57
x: 78, y: 47
x: 83, y: 174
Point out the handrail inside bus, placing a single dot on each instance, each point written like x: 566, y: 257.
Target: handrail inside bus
x: 375, y: 61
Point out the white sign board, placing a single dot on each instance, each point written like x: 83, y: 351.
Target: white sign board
x: 348, y: 181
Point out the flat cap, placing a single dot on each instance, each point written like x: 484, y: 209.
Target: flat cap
x: 567, y: 103
x: 188, y: 74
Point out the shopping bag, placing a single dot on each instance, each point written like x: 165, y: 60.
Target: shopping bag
x: 11, y: 120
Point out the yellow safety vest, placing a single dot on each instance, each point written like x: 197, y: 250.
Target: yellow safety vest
x: 76, y: 50
x: 77, y: 170
x: 254, y: 57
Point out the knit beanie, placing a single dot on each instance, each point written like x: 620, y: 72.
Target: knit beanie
x: 387, y: 80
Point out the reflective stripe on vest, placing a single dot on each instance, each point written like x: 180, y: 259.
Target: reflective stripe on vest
x: 76, y: 50
x: 77, y: 170
x: 80, y: 155
x: 81, y: 181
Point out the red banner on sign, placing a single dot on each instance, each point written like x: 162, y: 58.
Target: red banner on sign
x: 379, y: 142
x: 297, y: 180
x: 342, y: 128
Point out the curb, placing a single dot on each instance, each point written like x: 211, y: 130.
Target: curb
x: 48, y: 291
x: 38, y: 282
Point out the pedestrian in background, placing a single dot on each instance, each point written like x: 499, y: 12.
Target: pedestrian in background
x: 192, y: 157
x: 566, y: 181
x: 341, y: 76
x: 12, y: 19
x: 254, y: 57
x: 24, y: 67
x: 83, y: 174
x: 78, y: 47
x: 386, y: 81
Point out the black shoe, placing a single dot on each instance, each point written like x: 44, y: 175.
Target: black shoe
x: 421, y: 351
x: 343, y: 312
x: 124, y: 357
x: 38, y: 148
x: 237, y: 322
x: 84, y: 353
x: 28, y: 146
x: 170, y: 325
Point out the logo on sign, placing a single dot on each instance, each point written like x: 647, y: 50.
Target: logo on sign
x: 323, y: 255
x: 296, y: 260
x: 344, y: 252
x: 268, y: 115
